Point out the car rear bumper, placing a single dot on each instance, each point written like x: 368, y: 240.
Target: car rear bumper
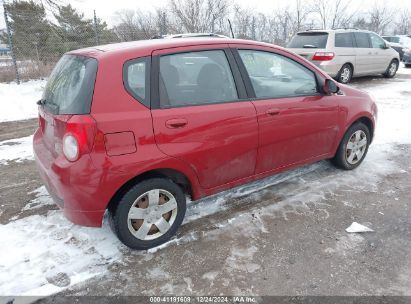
x: 329, y: 67
x: 74, y: 186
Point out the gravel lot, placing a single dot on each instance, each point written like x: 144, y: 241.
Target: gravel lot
x: 281, y: 236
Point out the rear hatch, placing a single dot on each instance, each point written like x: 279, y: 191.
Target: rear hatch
x: 306, y: 44
x: 67, y: 98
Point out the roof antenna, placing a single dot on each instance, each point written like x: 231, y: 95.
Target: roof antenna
x: 231, y: 28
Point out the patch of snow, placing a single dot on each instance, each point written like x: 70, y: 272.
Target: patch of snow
x: 42, y: 199
x: 158, y: 273
x: 346, y: 245
x: 19, y: 101
x: 242, y: 258
x: 16, y: 150
x: 37, y: 248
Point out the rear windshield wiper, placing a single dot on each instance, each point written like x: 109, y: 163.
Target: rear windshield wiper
x: 309, y: 46
x: 53, y: 107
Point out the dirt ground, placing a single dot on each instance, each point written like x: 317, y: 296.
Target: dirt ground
x: 285, y: 239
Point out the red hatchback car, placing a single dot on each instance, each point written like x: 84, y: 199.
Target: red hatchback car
x: 133, y: 128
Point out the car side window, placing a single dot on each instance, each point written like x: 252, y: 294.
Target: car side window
x: 343, y: 40
x: 135, y: 76
x: 195, y: 78
x: 362, y: 40
x: 274, y: 76
x: 376, y: 42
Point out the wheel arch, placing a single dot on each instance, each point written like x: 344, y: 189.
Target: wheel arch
x: 368, y: 122
x: 363, y: 118
x: 174, y: 175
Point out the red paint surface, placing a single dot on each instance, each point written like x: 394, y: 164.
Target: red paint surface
x: 215, y: 146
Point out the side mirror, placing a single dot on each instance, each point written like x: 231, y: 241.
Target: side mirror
x: 385, y: 46
x: 330, y: 87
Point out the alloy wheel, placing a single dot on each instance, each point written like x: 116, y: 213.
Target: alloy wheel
x: 345, y: 75
x: 393, y: 68
x: 356, y: 147
x: 152, y: 214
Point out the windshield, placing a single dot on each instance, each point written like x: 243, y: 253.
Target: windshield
x: 70, y: 87
x: 317, y: 40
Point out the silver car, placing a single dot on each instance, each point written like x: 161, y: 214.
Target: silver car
x: 346, y: 53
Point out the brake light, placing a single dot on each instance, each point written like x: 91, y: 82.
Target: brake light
x: 79, y: 136
x: 323, y: 56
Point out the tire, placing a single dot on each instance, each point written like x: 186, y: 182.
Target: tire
x: 142, y: 232
x: 391, y: 69
x: 342, y: 157
x: 408, y: 65
x: 345, y: 74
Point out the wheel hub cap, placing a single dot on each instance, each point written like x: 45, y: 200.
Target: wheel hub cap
x: 393, y: 68
x: 345, y: 75
x: 152, y: 214
x: 356, y: 147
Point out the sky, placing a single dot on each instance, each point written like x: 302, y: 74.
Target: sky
x: 106, y: 10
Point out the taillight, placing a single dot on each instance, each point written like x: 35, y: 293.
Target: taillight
x: 323, y: 56
x: 79, y: 136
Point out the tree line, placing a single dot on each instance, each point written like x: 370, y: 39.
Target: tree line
x: 43, y: 30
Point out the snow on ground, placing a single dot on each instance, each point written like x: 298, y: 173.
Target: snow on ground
x: 19, y: 101
x: 17, y: 149
x: 42, y: 255
x: 42, y: 199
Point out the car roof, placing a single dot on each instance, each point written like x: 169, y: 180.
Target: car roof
x: 146, y: 47
x: 335, y: 30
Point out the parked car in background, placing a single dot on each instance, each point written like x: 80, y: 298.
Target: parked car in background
x: 134, y: 128
x: 346, y: 53
x: 394, y: 42
x: 407, y: 57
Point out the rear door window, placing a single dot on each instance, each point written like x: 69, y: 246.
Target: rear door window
x: 69, y: 89
x: 344, y: 40
x: 193, y: 78
x: 362, y: 40
x: 315, y: 40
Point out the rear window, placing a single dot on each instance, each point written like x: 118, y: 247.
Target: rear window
x: 315, y: 40
x: 343, y: 40
x: 69, y: 89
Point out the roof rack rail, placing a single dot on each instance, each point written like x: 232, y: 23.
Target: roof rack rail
x: 345, y: 28
x: 189, y: 35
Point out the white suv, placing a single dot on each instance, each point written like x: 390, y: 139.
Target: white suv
x: 346, y: 53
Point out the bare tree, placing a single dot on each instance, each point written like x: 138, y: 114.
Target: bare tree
x: 301, y: 11
x: 403, y: 24
x: 136, y: 25
x: 242, y: 22
x: 380, y: 18
x: 198, y: 15
x: 333, y: 14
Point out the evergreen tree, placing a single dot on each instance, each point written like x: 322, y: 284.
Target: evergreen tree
x: 30, y: 30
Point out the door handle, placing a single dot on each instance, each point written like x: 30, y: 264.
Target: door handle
x: 273, y: 111
x: 176, y: 123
